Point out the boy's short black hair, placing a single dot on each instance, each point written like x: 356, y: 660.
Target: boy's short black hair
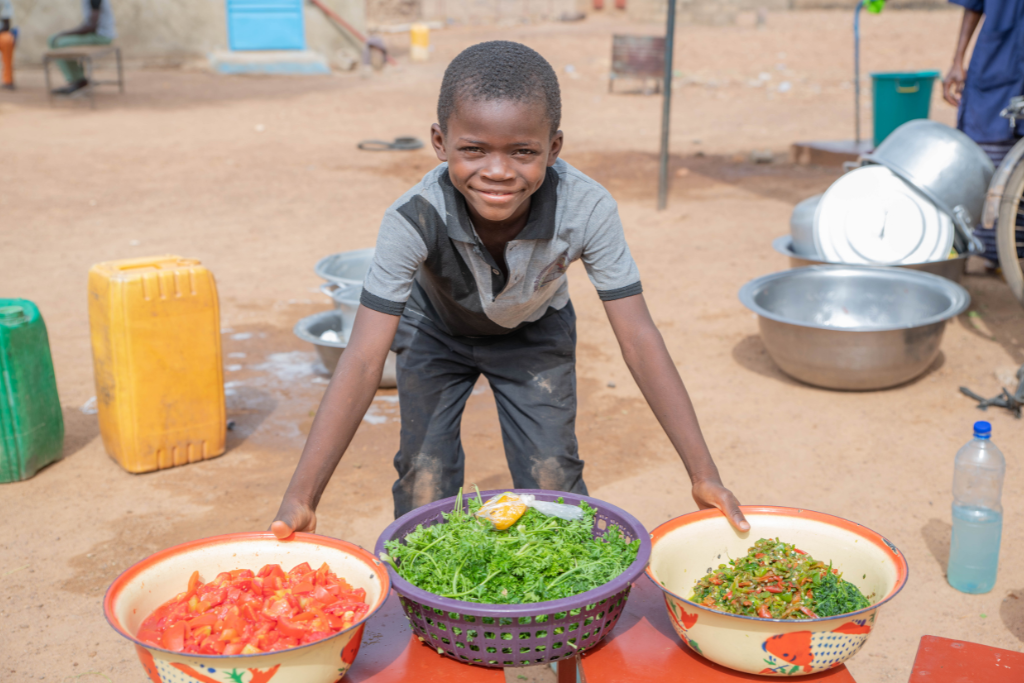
x: 499, y: 70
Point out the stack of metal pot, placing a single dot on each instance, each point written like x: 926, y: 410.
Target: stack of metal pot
x: 329, y: 331
x: 911, y: 203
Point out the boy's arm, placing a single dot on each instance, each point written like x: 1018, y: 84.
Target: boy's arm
x: 651, y: 365
x: 346, y: 400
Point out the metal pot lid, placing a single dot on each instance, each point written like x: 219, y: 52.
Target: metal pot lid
x: 801, y: 225
x: 872, y: 216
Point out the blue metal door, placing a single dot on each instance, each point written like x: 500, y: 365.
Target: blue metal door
x: 266, y: 25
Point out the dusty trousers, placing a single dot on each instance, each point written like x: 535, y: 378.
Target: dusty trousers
x: 532, y: 372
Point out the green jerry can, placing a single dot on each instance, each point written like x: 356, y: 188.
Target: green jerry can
x: 31, y: 424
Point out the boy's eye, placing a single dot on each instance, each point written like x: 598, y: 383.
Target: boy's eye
x: 524, y: 151
x: 470, y: 149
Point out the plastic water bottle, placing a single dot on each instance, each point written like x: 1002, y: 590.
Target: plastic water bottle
x: 977, y: 513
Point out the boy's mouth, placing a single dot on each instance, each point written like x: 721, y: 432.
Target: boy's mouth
x: 496, y: 196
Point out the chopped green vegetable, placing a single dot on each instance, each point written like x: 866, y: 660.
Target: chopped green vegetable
x: 776, y: 580
x: 536, y: 559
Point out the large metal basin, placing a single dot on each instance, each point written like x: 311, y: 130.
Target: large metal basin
x: 943, y: 163
x: 311, y: 327
x: 951, y: 269
x: 853, y: 327
x: 345, y: 268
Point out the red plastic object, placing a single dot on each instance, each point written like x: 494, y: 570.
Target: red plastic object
x: 941, y: 660
x: 620, y: 4
x: 392, y: 654
x: 598, y: 4
x: 643, y: 647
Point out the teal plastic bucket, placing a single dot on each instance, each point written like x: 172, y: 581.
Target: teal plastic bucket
x: 901, y: 96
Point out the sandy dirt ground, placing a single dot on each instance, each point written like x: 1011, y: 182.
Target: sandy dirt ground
x: 259, y: 177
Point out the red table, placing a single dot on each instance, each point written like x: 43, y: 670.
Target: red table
x: 941, y: 660
x: 642, y: 647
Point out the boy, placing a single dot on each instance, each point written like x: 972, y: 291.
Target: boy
x: 469, y: 278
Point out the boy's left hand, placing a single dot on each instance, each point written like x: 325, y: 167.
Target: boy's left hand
x: 710, y: 493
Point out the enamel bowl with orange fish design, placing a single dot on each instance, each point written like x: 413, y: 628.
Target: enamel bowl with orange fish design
x: 687, y: 548
x: 158, y: 578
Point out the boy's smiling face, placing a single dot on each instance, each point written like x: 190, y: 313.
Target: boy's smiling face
x: 498, y: 152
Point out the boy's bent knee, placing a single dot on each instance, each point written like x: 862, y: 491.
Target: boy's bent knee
x: 6, y: 39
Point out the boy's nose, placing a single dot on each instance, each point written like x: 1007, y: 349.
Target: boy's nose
x: 498, y: 168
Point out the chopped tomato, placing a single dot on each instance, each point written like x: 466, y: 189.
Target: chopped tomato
x: 241, y: 612
x: 174, y: 637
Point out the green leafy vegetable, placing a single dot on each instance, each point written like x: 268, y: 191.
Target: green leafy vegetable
x: 536, y: 559
x: 776, y: 580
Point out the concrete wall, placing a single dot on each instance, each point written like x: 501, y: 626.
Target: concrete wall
x: 172, y: 31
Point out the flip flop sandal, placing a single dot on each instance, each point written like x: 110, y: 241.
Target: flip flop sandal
x: 398, y: 144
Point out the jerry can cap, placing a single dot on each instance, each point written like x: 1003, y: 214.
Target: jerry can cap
x: 11, y: 315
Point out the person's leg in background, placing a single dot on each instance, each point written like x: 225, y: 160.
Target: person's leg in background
x: 7, y: 55
x: 72, y: 68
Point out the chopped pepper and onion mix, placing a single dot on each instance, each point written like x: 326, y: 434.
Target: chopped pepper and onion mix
x: 240, y: 612
x: 776, y: 580
x: 536, y: 558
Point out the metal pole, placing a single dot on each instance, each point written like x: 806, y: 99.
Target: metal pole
x: 670, y: 35
x: 856, y: 73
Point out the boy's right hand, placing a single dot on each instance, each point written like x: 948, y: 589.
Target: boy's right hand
x: 291, y: 517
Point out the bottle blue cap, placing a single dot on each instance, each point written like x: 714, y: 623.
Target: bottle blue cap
x: 982, y: 429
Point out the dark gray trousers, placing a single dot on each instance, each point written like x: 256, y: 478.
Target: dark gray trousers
x: 532, y: 373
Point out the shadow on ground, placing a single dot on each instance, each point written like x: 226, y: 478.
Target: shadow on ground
x: 1012, y: 613
x: 995, y: 315
x: 634, y: 175
x: 936, y: 534
x: 79, y: 430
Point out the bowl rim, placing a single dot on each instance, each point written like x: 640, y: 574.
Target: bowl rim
x: 903, y: 569
x: 300, y: 328
x: 784, y: 245
x: 321, y: 265
x: 959, y: 298
x: 130, y: 573
x: 526, y: 609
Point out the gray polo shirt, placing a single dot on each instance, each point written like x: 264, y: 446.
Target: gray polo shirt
x: 430, y: 257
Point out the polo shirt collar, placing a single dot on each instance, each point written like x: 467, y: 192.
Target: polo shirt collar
x: 539, y: 226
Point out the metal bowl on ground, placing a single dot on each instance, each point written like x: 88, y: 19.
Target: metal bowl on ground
x: 525, y: 634
x: 951, y: 269
x: 345, y: 268
x: 686, y: 548
x: 853, y: 327
x: 311, y: 328
x: 148, y: 584
x: 944, y: 164
x: 801, y: 225
x: 345, y: 297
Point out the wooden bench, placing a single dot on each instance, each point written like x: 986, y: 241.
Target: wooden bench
x: 86, y: 54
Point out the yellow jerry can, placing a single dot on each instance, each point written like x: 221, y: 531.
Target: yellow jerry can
x: 155, y: 327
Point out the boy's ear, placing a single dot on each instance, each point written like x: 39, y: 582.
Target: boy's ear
x: 437, y: 140
x: 556, y: 147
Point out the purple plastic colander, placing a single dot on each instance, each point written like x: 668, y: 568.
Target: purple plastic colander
x: 502, y: 636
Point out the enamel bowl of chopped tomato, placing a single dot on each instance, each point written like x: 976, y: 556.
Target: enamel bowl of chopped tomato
x: 761, y: 606
x: 248, y: 608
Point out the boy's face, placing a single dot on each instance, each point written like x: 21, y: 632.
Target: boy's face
x: 498, y: 153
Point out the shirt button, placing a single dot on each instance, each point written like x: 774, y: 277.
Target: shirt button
x: 495, y: 271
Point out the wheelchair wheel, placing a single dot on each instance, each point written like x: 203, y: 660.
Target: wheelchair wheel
x: 1010, y: 232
